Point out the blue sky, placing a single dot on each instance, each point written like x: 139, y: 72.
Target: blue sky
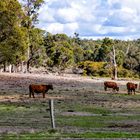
x: 118, y: 19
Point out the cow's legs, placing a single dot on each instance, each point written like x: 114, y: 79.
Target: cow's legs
x: 114, y: 89
x: 33, y: 94
x: 105, y: 88
x: 29, y: 94
x: 128, y: 91
x: 43, y: 94
x: 134, y: 91
x: 131, y: 91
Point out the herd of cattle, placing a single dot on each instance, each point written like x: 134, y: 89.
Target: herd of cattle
x: 131, y: 87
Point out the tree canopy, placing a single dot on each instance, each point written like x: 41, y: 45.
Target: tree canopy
x: 13, y: 36
x: 21, y: 41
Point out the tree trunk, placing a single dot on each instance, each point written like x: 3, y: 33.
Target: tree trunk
x: 4, y: 67
x: 28, y: 66
x: 114, y: 65
x: 22, y: 67
x: 10, y: 68
x: 28, y: 61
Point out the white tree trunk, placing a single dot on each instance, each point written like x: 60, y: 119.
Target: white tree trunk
x: 114, y: 65
x: 10, y: 68
x: 22, y: 67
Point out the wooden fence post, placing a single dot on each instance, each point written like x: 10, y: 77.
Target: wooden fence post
x: 51, y: 107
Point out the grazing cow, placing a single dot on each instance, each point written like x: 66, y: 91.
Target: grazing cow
x: 39, y: 89
x: 112, y: 85
x: 131, y: 87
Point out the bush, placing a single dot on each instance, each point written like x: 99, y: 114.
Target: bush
x: 93, y: 68
x: 122, y: 72
x: 103, y: 69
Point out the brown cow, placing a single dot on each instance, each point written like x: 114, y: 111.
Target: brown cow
x: 39, y: 89
x: 113, y: 85
x: 131, y: 87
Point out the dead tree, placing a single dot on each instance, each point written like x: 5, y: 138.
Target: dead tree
x: 114, y: 64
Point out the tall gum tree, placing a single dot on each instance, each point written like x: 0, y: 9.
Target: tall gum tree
x: 107, y: 53
x: 31, y: 9
x: 13, y: 36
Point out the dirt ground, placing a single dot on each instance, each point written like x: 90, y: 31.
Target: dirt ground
x: 19, y: 83
x: 14, y: 87
x: 71, y: 90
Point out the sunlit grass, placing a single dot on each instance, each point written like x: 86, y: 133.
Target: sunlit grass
x: 35, y: 116
x: 57, y: 135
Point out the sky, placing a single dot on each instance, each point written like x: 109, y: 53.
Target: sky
x: 93, y: 19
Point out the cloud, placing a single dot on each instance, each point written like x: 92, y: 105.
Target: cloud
x: 67, y: 15
x: 122, y: 17
x: 55, y: 28
x: 70, y: 28
x: 92, y: 18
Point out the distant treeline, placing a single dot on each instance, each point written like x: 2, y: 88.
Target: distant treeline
x: 22, y: 45
x: 95, y: 57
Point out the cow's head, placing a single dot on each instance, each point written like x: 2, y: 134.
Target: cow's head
x: 50, y: 86
x: 117, y: 88
x: 136, y: 85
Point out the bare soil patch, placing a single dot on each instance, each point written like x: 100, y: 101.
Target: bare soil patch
x: 69, y: 92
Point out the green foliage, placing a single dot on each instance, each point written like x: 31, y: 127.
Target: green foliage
x: 102, y: 69
x: 21, y: 41
x: 13, y: 36
x: 78, y: 53
x: 122, y: 72
x: 31, y: 8
x: 59, y: 50
x: 104, y: 50
x: 37, y: 50
x: 132, y: 59
x: 35, y: 37
x: 61, y: 55
x: 93, y: 68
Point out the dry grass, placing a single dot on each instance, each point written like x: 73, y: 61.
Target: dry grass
x: 74, y: 97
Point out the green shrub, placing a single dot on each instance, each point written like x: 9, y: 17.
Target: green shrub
x: 122, y: 72
x: 104, y: 72
x: 103, y: 69
x: 93, y: 68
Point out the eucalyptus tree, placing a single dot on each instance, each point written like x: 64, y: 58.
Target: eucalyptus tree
x: 31, y: 10
x: 138, y: 56
x: 59, y: 50
x: 107, y: 53
x: 13, y: 36
x: 37, y: 49
x: 132, y: 59
x: 78, y: 52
